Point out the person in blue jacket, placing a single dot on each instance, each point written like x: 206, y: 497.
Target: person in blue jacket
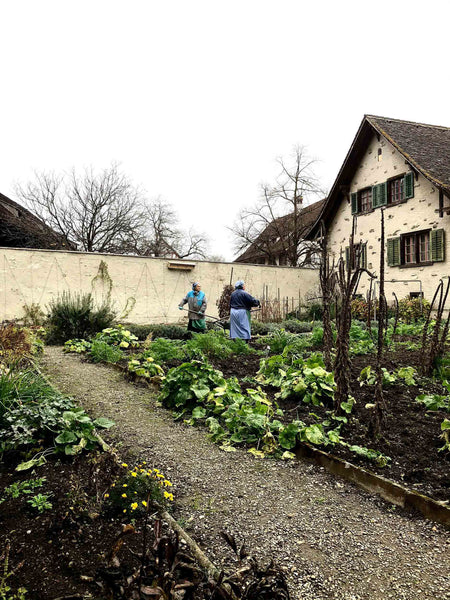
x: 240, y: 304
x: 196, y: 301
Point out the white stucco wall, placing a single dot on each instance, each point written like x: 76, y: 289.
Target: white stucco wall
x: 412, y: 215
x: 142, y: 290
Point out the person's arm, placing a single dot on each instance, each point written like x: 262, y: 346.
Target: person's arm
x: 250, y: 301
x: 203, y: 306
x: 183, y: 302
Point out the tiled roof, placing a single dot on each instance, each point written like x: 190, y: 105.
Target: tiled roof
x: 271, y: 232
x: 19, y: 228
x: 427, y: 147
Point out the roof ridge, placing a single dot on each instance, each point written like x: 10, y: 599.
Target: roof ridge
x: 407, y: 122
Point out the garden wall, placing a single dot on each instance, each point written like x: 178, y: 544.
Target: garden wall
x: 142, y: 290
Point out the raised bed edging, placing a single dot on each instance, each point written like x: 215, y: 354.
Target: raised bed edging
x: 376, y: 484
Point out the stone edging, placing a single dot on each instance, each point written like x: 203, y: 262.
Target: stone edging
x: 376, y: 484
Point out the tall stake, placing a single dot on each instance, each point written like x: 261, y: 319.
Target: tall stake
x: 382, y: 312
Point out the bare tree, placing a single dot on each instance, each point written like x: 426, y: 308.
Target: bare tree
x: 276, y: 225
x: 105, y: 212
x: 96, y: 211
x: 162, y: 235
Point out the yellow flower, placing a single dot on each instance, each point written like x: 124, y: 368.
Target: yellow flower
x: 134, y: 506
x: 141, y: 470
x: 156, y: 470
x: 167, y: 483
x: 106, y: 496
x: 124, y: 465
x: 144, y: 503
x: 125, y: 485
x: 144, y: 463
x: 160, y: 475
x: 124, y: 510
x: 168, y: 496
x: 124, y: 495
x: 113, y: 485
x: 133, y: 474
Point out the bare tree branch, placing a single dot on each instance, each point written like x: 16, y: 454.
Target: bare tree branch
x: 276, y: 224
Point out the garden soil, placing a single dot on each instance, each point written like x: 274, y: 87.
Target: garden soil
x: 331, y: 539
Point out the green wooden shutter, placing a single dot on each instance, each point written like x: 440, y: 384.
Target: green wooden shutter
x: 408, y: 185
x: 393, y: 252
x: 375, y: 196
x: 354, y: 199
x: 382, y: 194
x: 437, y: 239
x: 364, y: 256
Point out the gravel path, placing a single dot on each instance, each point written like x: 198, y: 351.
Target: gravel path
x: 332, y: 539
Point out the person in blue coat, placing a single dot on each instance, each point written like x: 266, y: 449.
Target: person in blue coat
x: 196, y: 301
x: 241, y: 303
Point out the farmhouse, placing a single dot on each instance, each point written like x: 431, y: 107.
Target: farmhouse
x: 402, y: 168
x: 273, y: 245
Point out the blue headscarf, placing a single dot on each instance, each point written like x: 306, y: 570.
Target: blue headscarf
x: 239, y: 285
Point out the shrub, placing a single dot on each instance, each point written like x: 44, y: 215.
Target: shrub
x: 410, y: 309
x: 295, y: 326
x: 360, y: 309
x: 259, y: 328
x: 15, y: 343
x: 34, y: 316
x: 171, y: 332
x: 315, y: 311
x: 74, y: 316
x: 102, y: 352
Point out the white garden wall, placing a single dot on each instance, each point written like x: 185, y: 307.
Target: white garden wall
x: 142, y: 290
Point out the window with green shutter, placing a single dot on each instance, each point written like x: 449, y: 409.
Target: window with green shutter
x: 437, y: 239
x: 359, y: 251
x: 393, y: 252
x: 379, y: 195
x: 408, y: 185
x: 354, y: 200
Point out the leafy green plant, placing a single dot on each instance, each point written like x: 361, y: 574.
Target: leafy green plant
x: 145, y: 367
x: 32, y: 410
x: 40, y: 502
x: 78, y: 346
x: 186, y: 385
x: 445, y: 428
x: 213, y: 344
x: 154, y: 331
x: 101, y: 351
x: 434, y: 402
x: 407, y: 374
x: 74, y: 316
x: 118, y: 336
x: 18, y: 488
x: 373, y: 455
x: 137, y: 490
x: 309, y: 382
x: 164, y: 350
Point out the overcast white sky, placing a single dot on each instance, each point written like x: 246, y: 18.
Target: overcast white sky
x: 196, y: 98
